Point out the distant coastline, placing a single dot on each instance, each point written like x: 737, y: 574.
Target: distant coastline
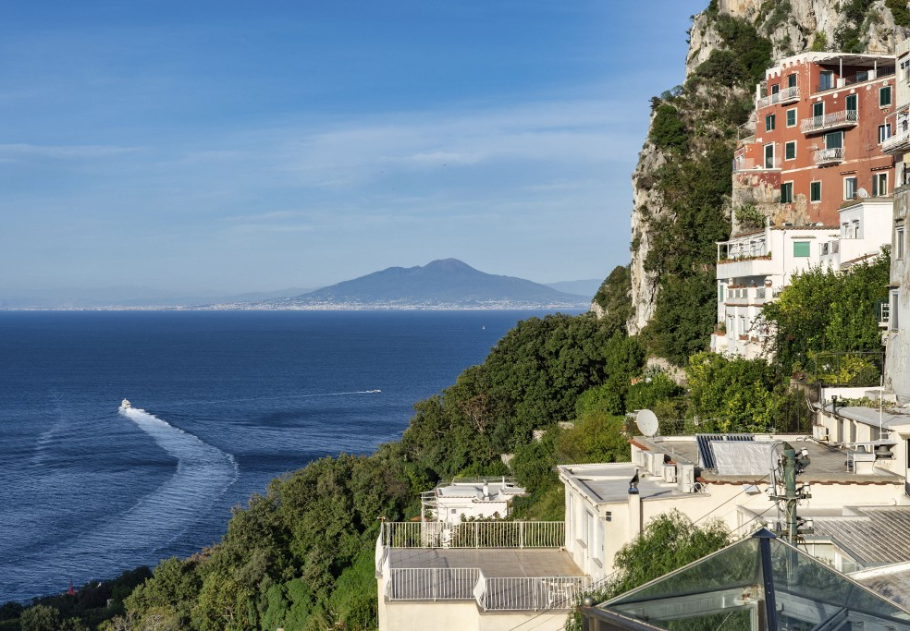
x: 492, y: 306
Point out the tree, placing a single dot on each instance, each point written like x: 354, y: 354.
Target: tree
x: 728, y: 394
x: 40, y: 618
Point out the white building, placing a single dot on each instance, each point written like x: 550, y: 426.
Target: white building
x: 752, y: 269
x: 897, y: 340
x: 465, y: 500
x: 865, y: 228
x: 728, y: 478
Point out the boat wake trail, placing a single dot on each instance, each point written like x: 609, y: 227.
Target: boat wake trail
x: 203, y: 473
x: 279, y: 398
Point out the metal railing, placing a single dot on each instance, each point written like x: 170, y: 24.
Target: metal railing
x: 474, y: 534
x: 897, y: 141
x: 785, y: 95
x: 827, y: 156
x: 499, y: 593
x: 431, y: 583
x: 829, y: 121
x: 750, y: 164
x: 532, y: 593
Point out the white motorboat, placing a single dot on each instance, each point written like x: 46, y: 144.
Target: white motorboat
x: 125, y: 404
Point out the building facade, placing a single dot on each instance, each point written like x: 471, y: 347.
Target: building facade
x: 752, y: 269
x: 820, y: 121
x: 897, y: 338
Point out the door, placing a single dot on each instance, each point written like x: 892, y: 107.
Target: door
x: 851, y: 105
x: 769, y: 156
x: 825, y: 81
x: 818, y: 114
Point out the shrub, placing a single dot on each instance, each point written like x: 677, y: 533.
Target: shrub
x: 668, y: 130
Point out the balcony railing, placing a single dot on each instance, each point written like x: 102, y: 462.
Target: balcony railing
x: 749, y: 164
x: 898, y: 142
x: 475, y: 534
x: 834, y: 120
x: 492, y: 593
x: 859, y: 77
x: 784, y: 96
x: 829, y: 156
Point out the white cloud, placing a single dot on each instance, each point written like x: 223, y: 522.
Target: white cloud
x: 61, y: 152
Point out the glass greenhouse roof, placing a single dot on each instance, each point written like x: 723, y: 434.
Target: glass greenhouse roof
x: 760, y: 583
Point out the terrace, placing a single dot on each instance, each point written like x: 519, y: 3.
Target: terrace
x: 502, y: 566
x: 787, y: 95
x: 834, y: 155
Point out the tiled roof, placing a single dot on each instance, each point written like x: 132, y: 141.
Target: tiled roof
x: 873, y: 535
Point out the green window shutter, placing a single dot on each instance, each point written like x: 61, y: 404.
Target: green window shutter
x: 786, y: 193
x: 790, y: 150
x: 801, y: 249
x: 884, y: 97
x: 791, y: 118
x: 815, y: 192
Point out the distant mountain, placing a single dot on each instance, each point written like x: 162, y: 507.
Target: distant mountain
x: 579, y: 287
x: 127, y: 297
x: 443, y: 284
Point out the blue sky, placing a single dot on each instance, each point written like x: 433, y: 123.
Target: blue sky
x: 238, y: 146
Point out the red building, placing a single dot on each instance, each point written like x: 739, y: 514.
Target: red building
x: 815, y: 141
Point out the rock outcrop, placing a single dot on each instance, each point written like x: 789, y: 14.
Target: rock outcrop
x: 792, y: 26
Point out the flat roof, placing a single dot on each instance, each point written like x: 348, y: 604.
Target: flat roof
x: 870, y: 416
x: 827, y: 463
x: 609, y: 482
x: 508, y: 562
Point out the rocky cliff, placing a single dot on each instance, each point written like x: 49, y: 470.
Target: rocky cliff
x: 783, y: 26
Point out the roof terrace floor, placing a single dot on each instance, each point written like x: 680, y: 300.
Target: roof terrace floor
x: 494, y: 562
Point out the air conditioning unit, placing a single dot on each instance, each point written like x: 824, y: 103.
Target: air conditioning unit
x: 656, y: 463
x: 820, y: 432
x: 685, y: 478
x: 670, y: 473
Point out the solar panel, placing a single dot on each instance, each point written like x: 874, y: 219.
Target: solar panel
x: 706, y: 453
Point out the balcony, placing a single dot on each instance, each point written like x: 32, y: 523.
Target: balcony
x: 897, y: 143
x: 860, y: 77
x: 787, y: 95
x: 496, y: 564
x: 824, y: 157
x: 749, y: 164
x: 746, y: 296
x: 828, y: 122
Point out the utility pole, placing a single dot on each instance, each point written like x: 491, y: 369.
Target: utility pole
x: 791, y: 465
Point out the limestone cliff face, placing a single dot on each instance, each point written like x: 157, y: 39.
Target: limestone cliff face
x: 792, y: 26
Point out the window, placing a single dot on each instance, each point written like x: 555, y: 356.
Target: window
x: 791, y: 118
x: 849, y: 188
x: 720, y: 292
x: 905, y: 70
x: 899, y: 243
x: 844, y: 229
x: 825, y: 81
x: 834, y: 140
x: 775, y: 88
x: 854, y: 229
x: 769, y: 122
x: 884, y: 132
x: 818, y: 109
x: 791, y: 81
x: 801, y: 249
x: 815, y: 192
x: 850, y: 103
x: 790, y: 150
x: 825, y: 249
x: 892, y: 311
x: 786, y: 193
x: 884, y: 97
x: 879, y: 184
x: 769, y: 156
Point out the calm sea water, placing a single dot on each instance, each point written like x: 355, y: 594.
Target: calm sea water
x: 226, y: 402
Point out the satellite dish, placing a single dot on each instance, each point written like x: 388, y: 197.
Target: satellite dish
x: 647, y: 422
x: 863, y: 193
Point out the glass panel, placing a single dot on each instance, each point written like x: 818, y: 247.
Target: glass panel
x: 799, y: 577
x: 801, y: 249
x: 734, y: 567
x: 826, y: 81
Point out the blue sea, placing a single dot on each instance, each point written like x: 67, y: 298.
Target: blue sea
x: 223, y: 402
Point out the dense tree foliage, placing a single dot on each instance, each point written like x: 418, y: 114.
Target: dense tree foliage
x: 823, y: 311
x: 614, y: 296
